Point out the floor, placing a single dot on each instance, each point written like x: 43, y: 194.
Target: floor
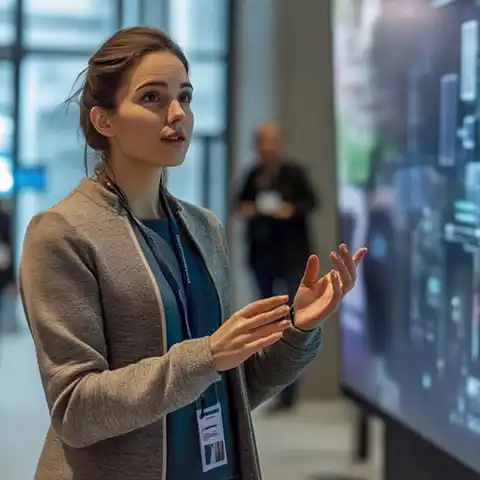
x: 314, y: 440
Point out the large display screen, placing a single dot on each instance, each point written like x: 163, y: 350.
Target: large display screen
x: 407, y: 113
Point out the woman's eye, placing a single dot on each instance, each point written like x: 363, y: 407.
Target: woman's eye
x: 151, y: 97
x: 185, y: 97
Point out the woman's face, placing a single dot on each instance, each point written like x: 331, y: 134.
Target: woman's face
x: 153, y: 122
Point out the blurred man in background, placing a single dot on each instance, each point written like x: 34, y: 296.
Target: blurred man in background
x: 275, y: 200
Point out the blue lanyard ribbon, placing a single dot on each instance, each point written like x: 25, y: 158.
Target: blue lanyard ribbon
x: 183, y: 292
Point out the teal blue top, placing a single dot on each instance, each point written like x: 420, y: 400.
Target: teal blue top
x: 183, y: 448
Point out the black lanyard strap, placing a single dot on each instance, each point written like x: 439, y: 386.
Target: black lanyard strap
x: 170, y: 277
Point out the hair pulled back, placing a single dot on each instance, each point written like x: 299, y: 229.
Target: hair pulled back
x: 106, y: 72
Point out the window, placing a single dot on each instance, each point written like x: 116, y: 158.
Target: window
x: 49, y: 134
x: 145, y: 12
x: 209, y: 98
x: 201, y: 178
x: 68, y: 24
x: 199, y: 26
x: 7, y: 21
x: 185, y: 181
x: 132, y: 13
x: 6, y: 129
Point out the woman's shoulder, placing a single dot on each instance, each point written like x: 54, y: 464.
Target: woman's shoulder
x: 77, y: 215
x: 87, y: 204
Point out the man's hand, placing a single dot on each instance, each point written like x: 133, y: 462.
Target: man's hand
x: 284, y: 211
x: 247, y: 210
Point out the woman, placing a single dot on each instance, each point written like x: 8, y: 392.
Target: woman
x: 147, y: 372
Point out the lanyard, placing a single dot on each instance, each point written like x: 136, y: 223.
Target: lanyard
x: 183, y: 293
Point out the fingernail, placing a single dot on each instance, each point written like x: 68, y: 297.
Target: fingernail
x: 335, y: 254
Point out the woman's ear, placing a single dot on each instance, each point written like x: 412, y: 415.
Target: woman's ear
x: 100, y: 119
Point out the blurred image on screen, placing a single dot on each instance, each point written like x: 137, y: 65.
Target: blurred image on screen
x: 407, y: 113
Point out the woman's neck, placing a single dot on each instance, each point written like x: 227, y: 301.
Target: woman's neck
x: 141, y: 185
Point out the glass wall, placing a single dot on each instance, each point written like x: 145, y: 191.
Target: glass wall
x: 6, y: 129
x: 7, y: 22
x: 74, y: 25
x: 200, y: 28
x: 49, y: 136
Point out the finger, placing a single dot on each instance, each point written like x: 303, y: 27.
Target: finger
x: 258, y: 345
x: 311, y: 271
x: 337, y: 290
x: 257, y: 340
x: 345, y: 276
x: 349, y: 263
x: 337, y: 294
x: 262, y: 306
x: 266, y: 318
x: 322, y: 284
x: 360, y: 255
x: 337, y: 287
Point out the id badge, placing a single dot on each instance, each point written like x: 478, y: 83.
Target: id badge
x: 268, y: 201
x: 212, y: 437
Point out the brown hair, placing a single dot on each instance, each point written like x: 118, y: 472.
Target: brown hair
x: 106, y: 72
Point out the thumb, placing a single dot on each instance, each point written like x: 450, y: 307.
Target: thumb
x: 311, y: 271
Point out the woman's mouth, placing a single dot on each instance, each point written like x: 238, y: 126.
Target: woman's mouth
x: 174, y: 140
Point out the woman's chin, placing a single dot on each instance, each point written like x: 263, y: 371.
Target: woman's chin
x: 172, y: 162
x: 169, y: 160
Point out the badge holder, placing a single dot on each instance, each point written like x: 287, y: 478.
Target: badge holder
x: 211, y: 433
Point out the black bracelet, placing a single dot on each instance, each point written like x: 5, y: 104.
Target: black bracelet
x: 291, y: 317
x: 291, y: 314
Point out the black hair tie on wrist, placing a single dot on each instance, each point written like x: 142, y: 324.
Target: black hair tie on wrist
x: 291, y: 314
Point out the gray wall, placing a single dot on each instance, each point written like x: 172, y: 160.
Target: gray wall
x: 306, y: 113
x: 255, y: 97
x: 284, y: 73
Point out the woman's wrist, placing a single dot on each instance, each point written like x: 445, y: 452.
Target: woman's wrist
x: 291, y: 316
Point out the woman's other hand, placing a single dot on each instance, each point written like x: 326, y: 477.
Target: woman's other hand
x: 254, y: 327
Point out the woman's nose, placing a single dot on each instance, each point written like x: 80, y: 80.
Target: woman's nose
x: 175, y: 112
